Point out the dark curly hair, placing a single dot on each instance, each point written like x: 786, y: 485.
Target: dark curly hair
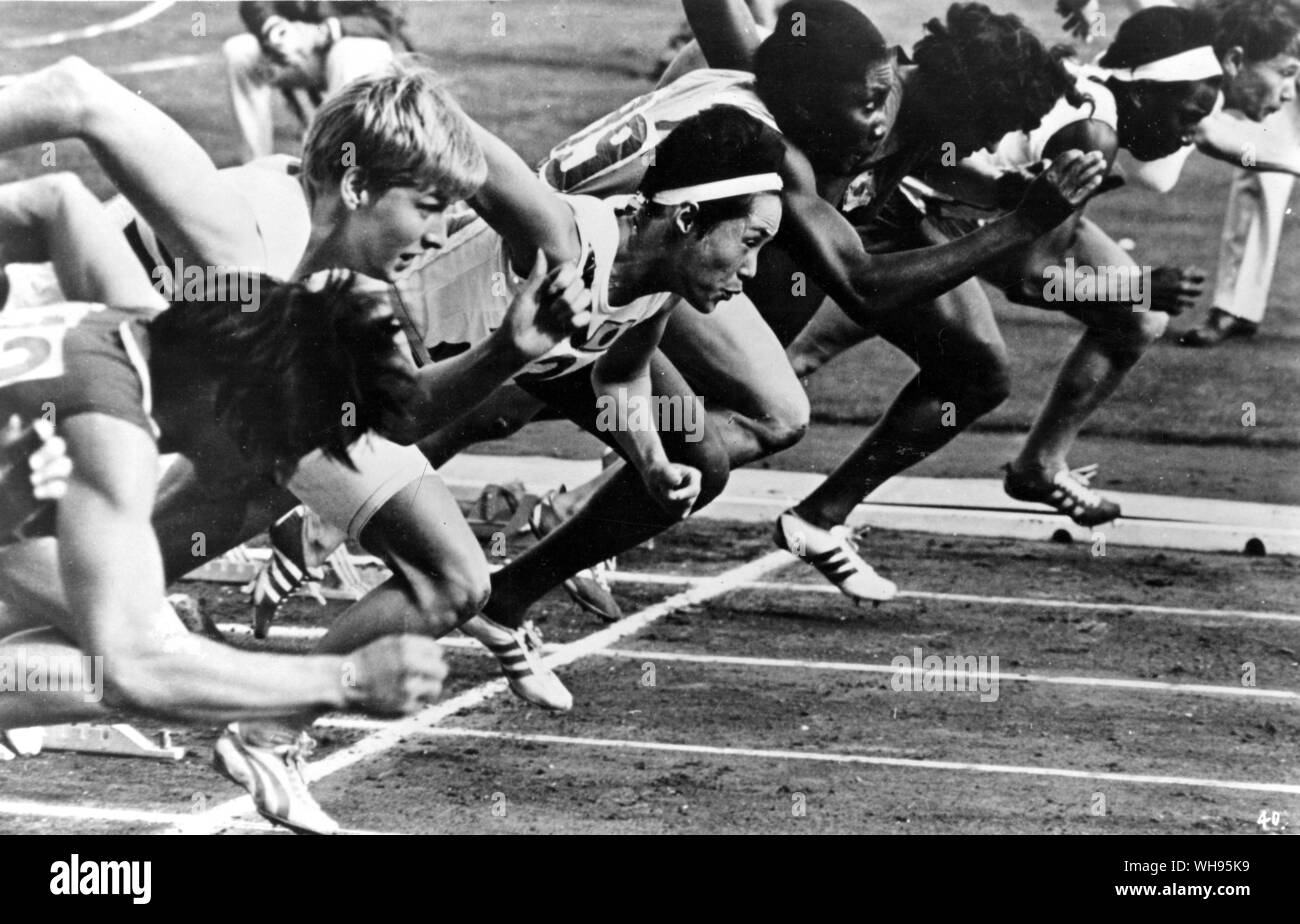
x: 718, y: 143
x: 308, y: 369
x: 1262, y: 29
x: 989, y: 69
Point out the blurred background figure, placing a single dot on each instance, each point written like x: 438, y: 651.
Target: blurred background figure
x: 1257, y: 203
x: 305, y: 50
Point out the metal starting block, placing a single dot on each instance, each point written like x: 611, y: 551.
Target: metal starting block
x: 120, y: 740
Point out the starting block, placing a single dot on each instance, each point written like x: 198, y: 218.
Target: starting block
x: 120, y: 740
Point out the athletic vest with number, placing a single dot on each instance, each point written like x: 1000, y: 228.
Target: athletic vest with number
x: 611, y: 155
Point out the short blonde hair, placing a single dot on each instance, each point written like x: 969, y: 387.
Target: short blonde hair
x: 401, y: 128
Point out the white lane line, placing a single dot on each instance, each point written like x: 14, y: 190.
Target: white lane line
x: 1119, y: 683
x: 144, y: 14
x: 1114, y: 683
x: 21, y: 807
x: 910, y: 763
x: 679, y: 580
x: 635, y: 577
x: 220, y: 816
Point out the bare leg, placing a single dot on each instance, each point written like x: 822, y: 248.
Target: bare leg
x: 963, y: 375
x: 732, y: 358
x: 828, y: 334
x: 440, y: 576
x: 619, y: 517
x: 1115, y: 340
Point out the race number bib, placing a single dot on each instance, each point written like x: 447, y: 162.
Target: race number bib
x: 29, y: 353
x: 31, y: 340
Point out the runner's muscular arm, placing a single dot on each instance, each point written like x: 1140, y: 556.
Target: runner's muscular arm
x: 622, y: 375
x: 522, y: 209
x: 726, y: 31
x: 113, y: 579
x: 56, y: 218
x: 1239, y: 141
x: 870, y: 286
x: 164, y: 172
x: 548, y: 308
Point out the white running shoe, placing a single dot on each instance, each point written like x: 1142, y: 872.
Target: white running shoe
x: 25, y: 742
x: 273, y: 776
x: 834, y: 553
x: 519, y: 652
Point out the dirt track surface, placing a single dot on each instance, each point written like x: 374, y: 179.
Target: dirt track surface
x: 621, y: 777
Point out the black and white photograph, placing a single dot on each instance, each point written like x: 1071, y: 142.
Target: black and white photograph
x: 679, y: 417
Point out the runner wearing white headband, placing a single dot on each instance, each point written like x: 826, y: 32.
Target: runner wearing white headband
x: 721, y: 189
x: 1145, y: 97
x: 1194, y: 64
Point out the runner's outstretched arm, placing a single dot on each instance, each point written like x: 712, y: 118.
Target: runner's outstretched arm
x: 726, y: 31
x: 527, y: 213
x: 1239, y: 141
x: 113, y: 577
x: 870, y: 286
x: 549, y: 307
x: 164, y: 172
x: 621, y: 378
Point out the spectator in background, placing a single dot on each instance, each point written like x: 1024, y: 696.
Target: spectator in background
x: 1252, y: 228
x: 306, y: 50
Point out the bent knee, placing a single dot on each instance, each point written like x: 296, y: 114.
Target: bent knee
x: 714, y: 467
x: 462, y: 595
x: 980, y: 386
x: 1126, y: 343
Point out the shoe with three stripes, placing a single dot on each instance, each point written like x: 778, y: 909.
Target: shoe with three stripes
x: 519, y: 652
x: 273, y: 775
x: 834, y: 553
x: 285, y: 572
x: 1067, y: 491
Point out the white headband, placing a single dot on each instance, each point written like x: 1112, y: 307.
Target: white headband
x: 1196, y: 64
x: 721, y: 189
